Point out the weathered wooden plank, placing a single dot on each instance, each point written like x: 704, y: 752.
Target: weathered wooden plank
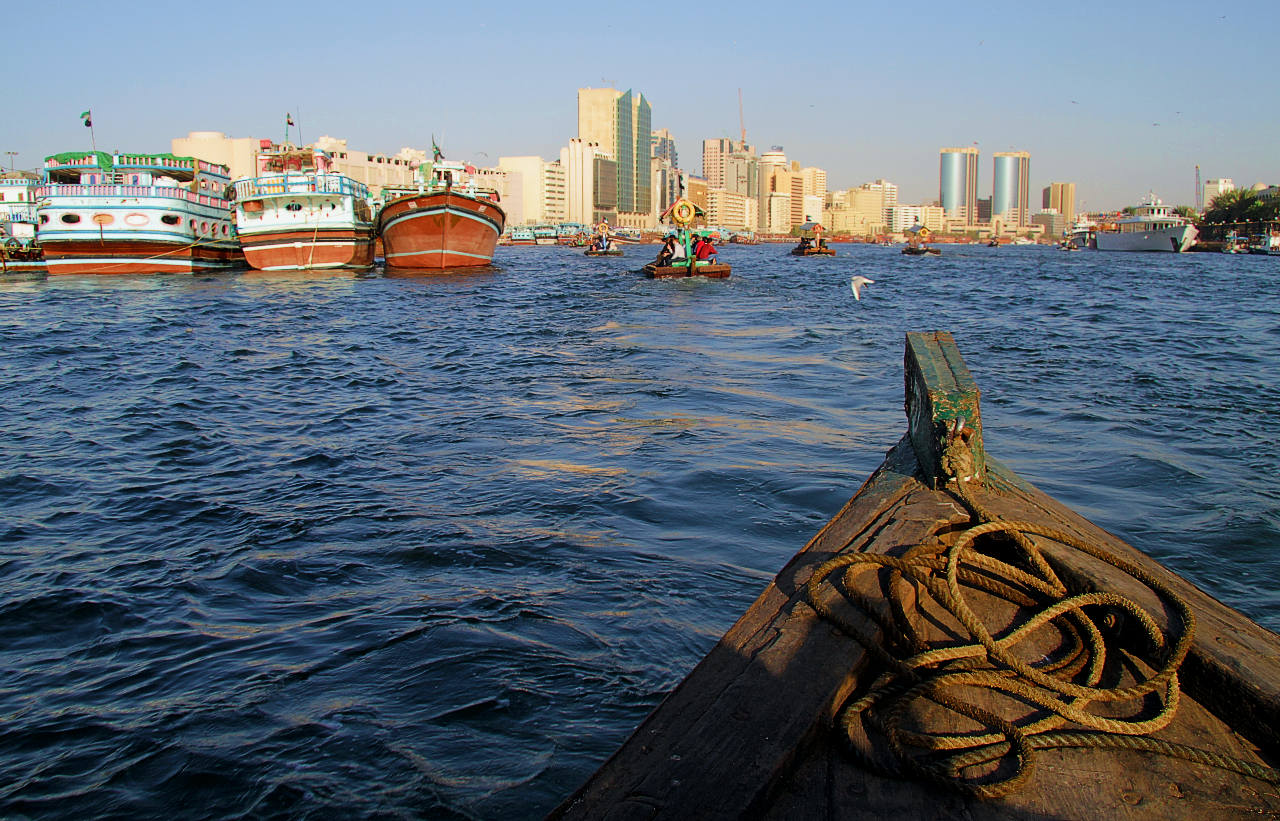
x: 940, y: 391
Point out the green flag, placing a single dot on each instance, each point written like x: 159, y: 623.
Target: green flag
x: 88, y: 120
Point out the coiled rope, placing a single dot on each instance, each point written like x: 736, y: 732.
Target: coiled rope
x: 998, y: 760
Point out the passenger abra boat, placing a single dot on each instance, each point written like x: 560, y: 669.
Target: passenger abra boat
x: 1153, y: 227
x: 135, y: 214
x: 20, y: 251
x: 445, y: 221
x: 298, y: 213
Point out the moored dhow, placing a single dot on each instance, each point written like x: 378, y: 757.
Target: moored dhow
x: 135, y: 214
x: 1153, y: 227
x: 299, y: 213
x: 445, y: 221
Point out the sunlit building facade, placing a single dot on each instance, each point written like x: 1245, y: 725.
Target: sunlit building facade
x: 958, y: 183
x: 1011, y: 187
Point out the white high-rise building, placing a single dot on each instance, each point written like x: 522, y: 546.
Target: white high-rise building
x: 815, y: 182
x: 1212, y: 188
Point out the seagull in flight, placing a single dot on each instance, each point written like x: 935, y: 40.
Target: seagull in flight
x: 856, y: 284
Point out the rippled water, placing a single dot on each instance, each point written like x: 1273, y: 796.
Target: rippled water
x: 354, y: 546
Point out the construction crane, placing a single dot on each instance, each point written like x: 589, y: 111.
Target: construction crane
x: 611, y: 83
x: 1199, y: 191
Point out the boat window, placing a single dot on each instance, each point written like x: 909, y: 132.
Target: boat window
x: 293, y: 206
x: 71, y: 219
x: 170, y: 219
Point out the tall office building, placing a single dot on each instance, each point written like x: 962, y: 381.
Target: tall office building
x: 621, y: 123
x: 591, y: 183
x: 715, y: 155
x: 772, y: 164
x: 1011, y: 187
x: 1061, y: 197
x: 958, y: 183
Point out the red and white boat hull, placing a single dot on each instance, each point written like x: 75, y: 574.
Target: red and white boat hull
x: 138, y: 257
x: 444, y: 229
x: 291, y: 250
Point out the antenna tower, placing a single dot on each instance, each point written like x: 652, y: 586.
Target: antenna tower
x: 742, y: 122
x: 611, y: 83
x: 1199, y: 191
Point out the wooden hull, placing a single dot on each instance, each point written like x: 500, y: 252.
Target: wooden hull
x: 922, y: 252
x: 759, y: 730
x: 813, y: 252
x: 138, y: 257
x: 717, y: 271
x: 602, y: 253
x: 292, y: 250
x: 440, y: 230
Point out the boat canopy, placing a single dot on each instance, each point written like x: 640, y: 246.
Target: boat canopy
x: 811, y: 230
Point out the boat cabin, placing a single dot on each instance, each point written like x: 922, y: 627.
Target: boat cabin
x: 1151, y: 215
x: 98, y: 168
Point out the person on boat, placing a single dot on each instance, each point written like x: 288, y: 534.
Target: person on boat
x: 678, y: 254
x: 668, y: 252
x: 706, y: 251
x: 805, y: 245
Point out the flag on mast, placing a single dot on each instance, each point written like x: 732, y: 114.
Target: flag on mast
x: 88, y: 119
x: 288, y: 118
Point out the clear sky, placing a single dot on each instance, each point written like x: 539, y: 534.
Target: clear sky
x: 1121, y: 98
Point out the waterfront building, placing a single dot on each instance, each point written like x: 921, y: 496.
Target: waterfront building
x: 1061, y: 198
x: 958, y: 183
x: 591, y: 183
x: 544, y: 189
x: 1212, y: 188
x: 902, y: 217
x: 1010, y: 188
x: 696, y: 189
x: 771, y: 162
x: 812, y: 208
x: 779, y: 217
x: 860, y: 211
x: 620, y: 121
x: 728, y: 209
x: 510, y: 188
x: 1055, y: 224
x: 239, y: 154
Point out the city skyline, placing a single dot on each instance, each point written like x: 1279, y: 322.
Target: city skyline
x: 1091, y: 122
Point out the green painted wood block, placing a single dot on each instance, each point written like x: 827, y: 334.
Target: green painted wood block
x: 940, y: 392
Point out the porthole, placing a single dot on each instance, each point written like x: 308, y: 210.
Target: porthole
x: 191, y: 224
x: 224, y: 230
x: 70, y: 219
x: 293, y: 206
x: 44, y: 218
x: 204, y: 227
x: 170, y: 219
x: 137, y: 219
x: 103, y: 219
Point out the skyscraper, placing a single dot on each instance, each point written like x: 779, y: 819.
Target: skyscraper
x: 958, y: 184
x: 1011, y: 187
x: 621, y: 123
x: 1061, y: 197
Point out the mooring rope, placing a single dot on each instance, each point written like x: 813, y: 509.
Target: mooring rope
x: 1061, y: 689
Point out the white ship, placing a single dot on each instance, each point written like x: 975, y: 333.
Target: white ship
x: 1153, y: 227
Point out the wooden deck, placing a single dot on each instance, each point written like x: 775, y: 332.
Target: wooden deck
x: 753, y: 731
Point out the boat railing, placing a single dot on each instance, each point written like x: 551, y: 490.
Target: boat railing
x: 150, y: 191
x: 299, y: 184
x: 21, y: 213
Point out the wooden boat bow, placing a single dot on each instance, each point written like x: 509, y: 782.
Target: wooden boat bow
x: 756, y: 730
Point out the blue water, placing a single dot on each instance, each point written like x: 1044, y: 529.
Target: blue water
x: 354, y: 546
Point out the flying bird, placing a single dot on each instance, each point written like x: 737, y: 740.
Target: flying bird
x: 856, y: 284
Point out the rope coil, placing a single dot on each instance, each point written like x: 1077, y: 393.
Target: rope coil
x: 1061, y: 689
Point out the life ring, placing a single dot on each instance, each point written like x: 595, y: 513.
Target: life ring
x: 683, y: 213
x: 12, y: 244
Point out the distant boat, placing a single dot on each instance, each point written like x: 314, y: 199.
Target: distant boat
x: 1265, y: 244
x: 445, y: 221
x: 812, y: 243
x: 300, y: 214
x: 20, y: 251
x: 106, y: 213
x: 1153, y: 227
x: 523, y: 236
